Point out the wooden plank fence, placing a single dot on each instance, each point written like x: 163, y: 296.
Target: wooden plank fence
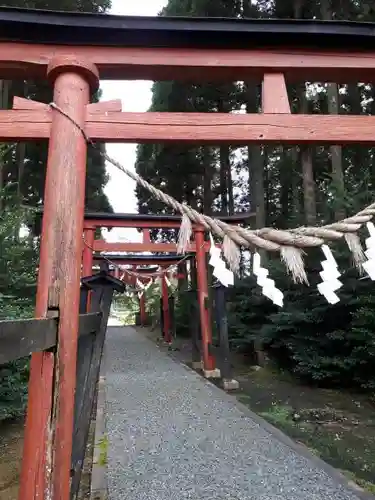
x: 20, y: 338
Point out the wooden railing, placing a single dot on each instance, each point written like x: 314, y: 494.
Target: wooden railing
x: 20, y: 338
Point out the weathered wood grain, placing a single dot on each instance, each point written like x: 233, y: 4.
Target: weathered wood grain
x: 184, y: 64
x: 199, y: 128
x: 20, y: 338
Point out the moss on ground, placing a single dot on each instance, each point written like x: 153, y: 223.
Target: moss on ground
x: 103, y: 451
x: 336, y: 426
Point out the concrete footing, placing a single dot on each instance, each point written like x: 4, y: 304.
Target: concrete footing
x: 212, y: 373
x: 230, y: 385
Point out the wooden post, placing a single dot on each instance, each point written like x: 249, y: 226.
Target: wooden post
x: 88, y: 257
x: 83, y: 300
x: 222, y: 327
x: 172, y: 319
x: 165, y: 300
x: 87, y: 254
x: 161, y: 316
x: 195, y: 328
x: 195, y: 331
x: 274, y: 94
x: 142, y: 309
x: 146, y: 236
x: 89, y: 355
x: 181, y: 275
x: 203, y: 300
x: 49, y: 423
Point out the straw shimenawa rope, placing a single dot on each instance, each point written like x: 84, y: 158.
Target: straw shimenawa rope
x: 289, y: 243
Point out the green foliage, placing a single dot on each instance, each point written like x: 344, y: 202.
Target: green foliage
x: 319, y: 343
x: 13, y: 388
x: 18, y: 264
x: 153, y: 296
x: 185, y: 301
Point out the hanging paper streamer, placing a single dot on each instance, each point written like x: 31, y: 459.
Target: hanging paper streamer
x: 329, y: 275
x: 167, y: 281
x: 148, y: 285
x: 139, y: 284
x: 269, y: 289
x: 369, y: 265
x: 221, y: 272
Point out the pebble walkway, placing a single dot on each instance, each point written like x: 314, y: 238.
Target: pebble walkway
x: 174, y: 436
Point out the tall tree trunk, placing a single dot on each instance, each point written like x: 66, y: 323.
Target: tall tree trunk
x: 296, y: 209
x: 309, y: 198
x: 230, y: 185
x: 256, y: 181
x: 20, y: 162
x: 207, y: 181
x: 285, y: 185
x: 335, y: 151
x: 308, y: 181
x: 223, y: 179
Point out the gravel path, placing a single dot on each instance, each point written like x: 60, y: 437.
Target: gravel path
x: 174, y: 436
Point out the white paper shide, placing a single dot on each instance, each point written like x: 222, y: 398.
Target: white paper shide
x: 329, y: 275
x: 269, y: 289
x: 221, y: 272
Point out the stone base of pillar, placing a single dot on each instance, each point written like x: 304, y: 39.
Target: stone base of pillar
x: 230, y: 385
x: 212, y: 373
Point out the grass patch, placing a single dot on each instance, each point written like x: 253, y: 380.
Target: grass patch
x: 103, y: 451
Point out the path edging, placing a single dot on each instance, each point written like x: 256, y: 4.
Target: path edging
x: 99, y: 484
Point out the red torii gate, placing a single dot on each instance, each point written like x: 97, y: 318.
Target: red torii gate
x: 131, y: 279
x: 145, y: 260
x: 38, y: 45
x: 146, y: 222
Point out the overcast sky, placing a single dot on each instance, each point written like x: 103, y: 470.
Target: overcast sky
x: 135, y: 96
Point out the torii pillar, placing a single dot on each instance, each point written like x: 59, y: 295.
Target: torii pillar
x: 209, y: 368
x: 165, y: 308
x: 142, y: 309
x: 46, y: 464
x: 87, y: 254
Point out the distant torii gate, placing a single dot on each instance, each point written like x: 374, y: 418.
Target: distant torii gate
x: 130, y: 279
x: 145, y: 222
x: 135, y: 261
